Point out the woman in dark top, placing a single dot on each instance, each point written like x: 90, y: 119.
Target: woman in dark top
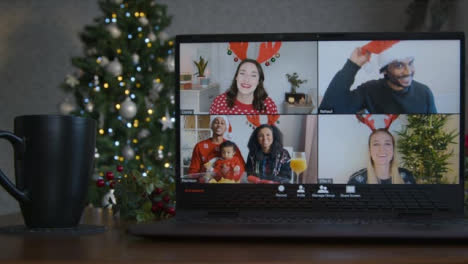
x: 267, y: 159
x: 382, y: 167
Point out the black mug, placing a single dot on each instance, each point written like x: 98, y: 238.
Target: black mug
x: 54, y: 160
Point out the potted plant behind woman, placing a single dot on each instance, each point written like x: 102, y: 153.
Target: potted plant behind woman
x: 201, y: 67
x: 295, y: 82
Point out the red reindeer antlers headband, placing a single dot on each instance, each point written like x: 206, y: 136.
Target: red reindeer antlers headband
x: 267, y: 51
x: 368, y: 121
x: 255, y: 120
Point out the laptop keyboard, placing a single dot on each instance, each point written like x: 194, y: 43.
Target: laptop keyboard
x: 373, y: 200
x: 372, y: 206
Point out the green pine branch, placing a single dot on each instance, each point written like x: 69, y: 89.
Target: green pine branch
x: 426, y: 147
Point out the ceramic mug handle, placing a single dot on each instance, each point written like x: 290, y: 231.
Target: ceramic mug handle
x: 18, y: 145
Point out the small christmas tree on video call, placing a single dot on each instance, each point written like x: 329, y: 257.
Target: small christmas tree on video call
x: 425, y: 147
x: 125, y: 82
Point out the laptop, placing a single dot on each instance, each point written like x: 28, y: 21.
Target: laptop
x: 319, y: 135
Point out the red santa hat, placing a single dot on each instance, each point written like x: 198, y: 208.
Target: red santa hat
x: 228, y: 133
x: 389, y: 51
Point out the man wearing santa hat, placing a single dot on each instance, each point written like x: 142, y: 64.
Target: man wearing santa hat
x: 208, y: 149
x: 395, y: 93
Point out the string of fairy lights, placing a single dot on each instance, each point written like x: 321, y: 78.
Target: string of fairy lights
x: 130, y: 83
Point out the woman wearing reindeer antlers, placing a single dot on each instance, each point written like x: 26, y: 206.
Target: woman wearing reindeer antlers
x: 267, y: 159
x: 382, y: 167
x: 246, y: 94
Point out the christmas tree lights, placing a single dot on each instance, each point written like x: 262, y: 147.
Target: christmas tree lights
x: 125, y: 82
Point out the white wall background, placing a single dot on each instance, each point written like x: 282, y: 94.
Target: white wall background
x: 437, y: 65
x: 300, y: 57
x: 343, y: 145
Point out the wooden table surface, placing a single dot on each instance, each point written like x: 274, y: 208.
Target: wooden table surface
x: 116, y: 246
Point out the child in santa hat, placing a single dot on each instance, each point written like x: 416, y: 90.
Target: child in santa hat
x: 228, y: 166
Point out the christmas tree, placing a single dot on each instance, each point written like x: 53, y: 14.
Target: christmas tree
x: 425, y: 147
x: 125, y: 81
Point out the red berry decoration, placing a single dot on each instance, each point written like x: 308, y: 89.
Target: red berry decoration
x: 166, y: 198
x: 109, y: 175
x: 154, y: 208
x: 267, y: 63
x: 112, y: 185
x: 170, y: 210
x: 159, y: 205
x: 158, y: 191
x: 119, y: 168
x: 236, y: 59
x: 100, y: 183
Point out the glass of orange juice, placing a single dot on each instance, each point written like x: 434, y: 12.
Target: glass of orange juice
x: 298, y: 164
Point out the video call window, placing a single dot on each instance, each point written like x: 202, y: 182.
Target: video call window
x: 354, y: 76
x: 275, y: 60
x: 343, y: 112
x: 346, y: 150
x: 265, y: 149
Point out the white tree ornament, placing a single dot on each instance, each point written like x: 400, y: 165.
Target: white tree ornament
x: 114, y: 68
x: 128, y: 109
x: 114, y: 30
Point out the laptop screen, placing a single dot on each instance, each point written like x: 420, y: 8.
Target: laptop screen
x: 315, y: 111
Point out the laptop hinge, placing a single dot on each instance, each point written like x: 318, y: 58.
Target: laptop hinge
x: 223, y: 213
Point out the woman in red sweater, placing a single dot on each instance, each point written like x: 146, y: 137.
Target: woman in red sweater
x: 246, y: 94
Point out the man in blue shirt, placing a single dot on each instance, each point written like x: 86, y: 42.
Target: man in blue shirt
x: 395, y: 93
